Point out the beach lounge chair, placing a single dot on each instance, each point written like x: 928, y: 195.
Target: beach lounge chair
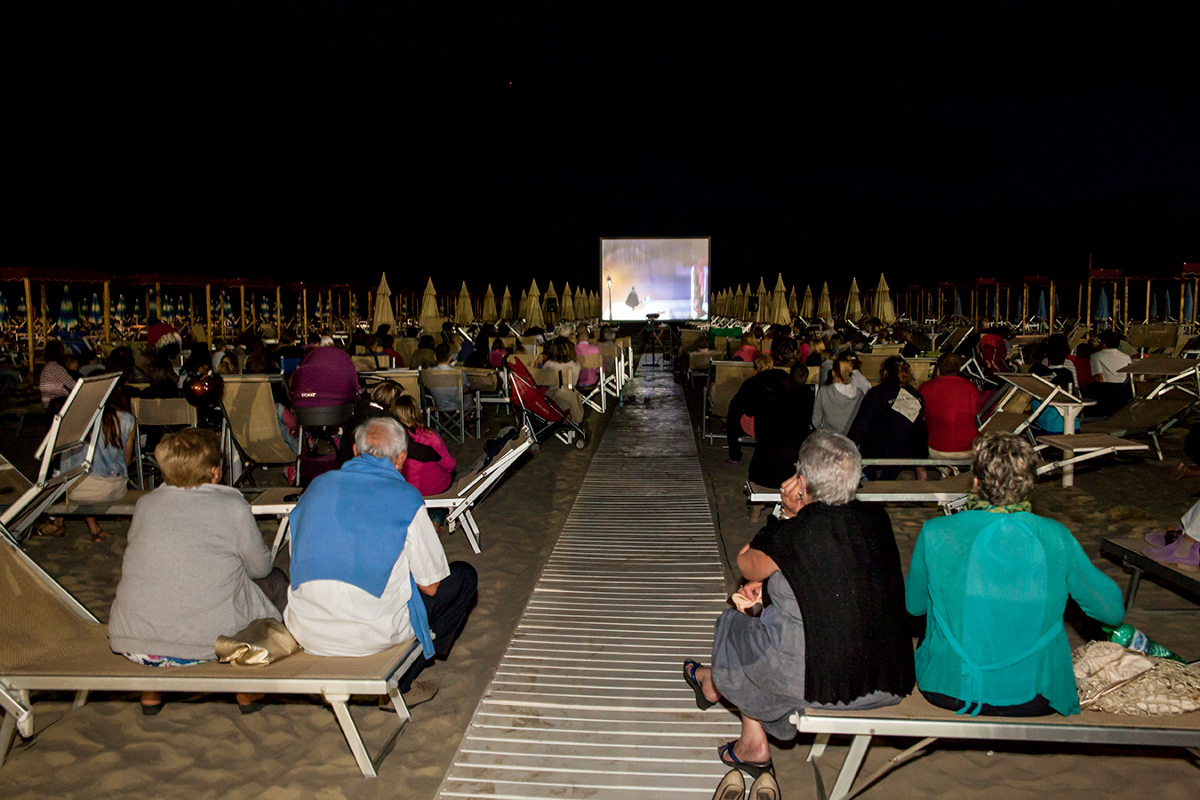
x: 73, y: 427
x: 949, y: 493
x: 723, y: 383
x: 1167, y: 374
x: 917, y: 718
x: 50, y: 642
x: 470, y: 489
x: 252, y: 426
x: 1150, y: 417
x: 1128, y: 552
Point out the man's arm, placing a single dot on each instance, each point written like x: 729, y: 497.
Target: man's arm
x: 755, y: 565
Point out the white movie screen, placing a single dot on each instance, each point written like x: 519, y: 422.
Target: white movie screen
x: 668, y: 277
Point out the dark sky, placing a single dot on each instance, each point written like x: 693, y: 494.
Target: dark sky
x: 467, y: 141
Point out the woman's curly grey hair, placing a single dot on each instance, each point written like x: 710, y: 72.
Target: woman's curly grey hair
x: 831, y: 467
x: 1005, y: 466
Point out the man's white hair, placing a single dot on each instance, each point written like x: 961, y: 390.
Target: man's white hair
x: 383, y: 437
x: 831, y: 467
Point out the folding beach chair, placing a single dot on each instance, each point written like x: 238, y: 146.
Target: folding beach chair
x: 165, y: 413
x: 410, y: 379
x: 50, y: 642
x: 594, y: 395
x: 75, y: 426
x: 1149, y: 417
x: 490, y: 387
x: 613, y: 375
x: 252, y: 426
x: 448, y: 403
x: 725, y: 380
x: 469, y: 490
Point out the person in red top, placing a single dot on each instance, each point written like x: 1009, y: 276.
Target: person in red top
x: 952, y: 405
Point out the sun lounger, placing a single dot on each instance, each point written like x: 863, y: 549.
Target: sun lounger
x: 949, y: 493
x: 916, y: 718
x: 50, y: 642
x: 1129, y: 553
x: 1149, y: 417
x: 1172, y: 373
x: 74, y: 426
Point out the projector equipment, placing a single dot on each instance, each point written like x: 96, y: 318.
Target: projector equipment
x: 653, y: 316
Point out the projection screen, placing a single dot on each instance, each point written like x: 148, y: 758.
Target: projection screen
x: 666, y: 276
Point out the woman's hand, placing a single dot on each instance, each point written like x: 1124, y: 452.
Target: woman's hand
x: 791, y: 497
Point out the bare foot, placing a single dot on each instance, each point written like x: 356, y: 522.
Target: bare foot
x: 246, y: 699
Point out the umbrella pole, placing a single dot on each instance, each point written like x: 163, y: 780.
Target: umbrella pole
x: 1050, y: 313
x: 107, y: 321
x: 242, y: 310
x: 1125, y: 306
x: 1147, y: 301
x: 1088, y: 318
x: 208, y: 313
x: 278, y: 312
x: 29, y: 320
x: 304, y: 316
x: 43, y: 309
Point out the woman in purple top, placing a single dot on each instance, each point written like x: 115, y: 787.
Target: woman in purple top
x: 326, y: 377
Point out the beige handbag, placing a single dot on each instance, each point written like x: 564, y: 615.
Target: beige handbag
x: 1119, y: 681
x: 262, y: 642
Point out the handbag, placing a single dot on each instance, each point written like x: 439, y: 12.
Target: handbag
x: 262, y: 642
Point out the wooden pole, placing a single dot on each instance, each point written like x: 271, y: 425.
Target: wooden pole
x: 29, y: 321
x: 157, y: 301
x: 42, y: 310
x: 242, y: 310
x: 107, y: 321
x: 208, y: 314
x: 1147, y: 301
x: 1125, y: 304
x: 304, y: 317
x: 1050, y: 312
x: 1089, y: 303
x: 278, y: 312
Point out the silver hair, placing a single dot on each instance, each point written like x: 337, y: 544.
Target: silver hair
x: 1006, y: 466
x: 383, y: 437
x: 831, y: 467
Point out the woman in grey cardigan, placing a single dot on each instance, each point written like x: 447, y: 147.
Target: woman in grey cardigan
x: 195, y: 567
x: 838, y: 400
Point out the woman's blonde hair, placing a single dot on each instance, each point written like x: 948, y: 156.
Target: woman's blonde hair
x: 186, y: 458
x: 385, y: 394
x: 406, y: 410
x: 763, y: 362
x: 1005, y: 466
x: 843, y: 368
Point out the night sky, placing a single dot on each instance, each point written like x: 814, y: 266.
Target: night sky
x: 467, y: 141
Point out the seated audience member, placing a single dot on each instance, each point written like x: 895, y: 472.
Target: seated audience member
x: 498, y: 353
x: 834, y: 633
x: 560, y: 356
x: 380, y: 402
x: 55, y: 382
x: 781, y: 409
x: 584, y: 347
x: 748, y: 349
x: 993, y: 582
x: 1110, y: 387
x: 837, y: 402
x: 195, y: 566
x: 368, y: 571
x: 424, y: 356
x: 447, y: 398
x: 325, y: 377
x: 1058, y: 352
x: 429, y: 466
x: 107, y: 479
x: 890, y: 423
x: 952, y: 406
x: 387, y: 347
x: 1082, y: 360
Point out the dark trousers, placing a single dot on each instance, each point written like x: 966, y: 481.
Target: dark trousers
x: 1037, y: 707
x: 275, y: 586
x: 447, y: 610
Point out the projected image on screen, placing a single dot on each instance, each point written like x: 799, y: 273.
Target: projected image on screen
x: 668, y: 277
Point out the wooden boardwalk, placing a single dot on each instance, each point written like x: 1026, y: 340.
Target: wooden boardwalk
x: 588, y: 701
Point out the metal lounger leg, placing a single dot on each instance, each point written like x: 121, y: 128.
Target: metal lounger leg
x: 281, y: 535
x: 350, y: 731
x: 81, y: 698
x: 851, y: 766
x: 8, y: 732
x: 471, y: 530
x: 1135, y: 578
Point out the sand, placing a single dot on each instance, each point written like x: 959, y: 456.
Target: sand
x: 201, y: 747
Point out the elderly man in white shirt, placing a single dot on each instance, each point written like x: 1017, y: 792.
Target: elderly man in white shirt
x: 368, y: 571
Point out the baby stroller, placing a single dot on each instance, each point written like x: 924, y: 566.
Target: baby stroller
x: 539, y: 413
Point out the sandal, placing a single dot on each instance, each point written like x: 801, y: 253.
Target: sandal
x: 751, y: 768
x: 689, y: 675
x: 51, y: 528
x: 99, y: 536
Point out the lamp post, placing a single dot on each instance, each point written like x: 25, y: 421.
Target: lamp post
x: 610, y: 316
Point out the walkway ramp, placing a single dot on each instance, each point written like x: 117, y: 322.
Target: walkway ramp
x: 588, y: 701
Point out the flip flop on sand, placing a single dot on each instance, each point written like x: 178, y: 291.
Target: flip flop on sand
x: 751, y: 768
x: 689, y: 675
x: 51, y: 528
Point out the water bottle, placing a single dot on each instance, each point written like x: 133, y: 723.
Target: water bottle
x: 1128, y: 636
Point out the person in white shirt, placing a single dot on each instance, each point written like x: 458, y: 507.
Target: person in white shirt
x: 368, y: 571
x: 1109, y: 387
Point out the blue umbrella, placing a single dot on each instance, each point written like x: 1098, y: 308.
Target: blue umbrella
x: 1154, y: 305
x: 3, y: 310
x: 137, y: 310
x: 957, y: 304
x: 96, y: 314
x: 996, y: 305
x: 21, y: 308
x: 66, y: 311
x: 227, y: 304
x: 1188, y: 303
x: 1167, y: 304
x: 168, y: 310
x: 1102, y: 306
x: 1041, y: 307
x: 929, y: 305
x: 121, y: 306
x: 264, y: 308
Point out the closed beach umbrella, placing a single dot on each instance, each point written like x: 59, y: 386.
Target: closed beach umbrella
x: 853, y: 302
x: 957, y: 304
x: 1102, y: 306
x: 1188, y: 303
x: 824, y: 307
x: 567, y: 309
x: 533, y: 309
x: 881, y: 306
x: 137, y: 310
x: 550, y: 310
x: 121, y: 310
x: 1041, y: 306
x: 167, y: 308
x: 3, y: 310
x: 779, y: 311
x: 430, y: 319
x: 793, y: 306
x: 506, y: 307
x: 384, y: 315
x: 806, y: 305
x: 764, y: 302
x: 489, y: 306
x: 1167, y: 304
x: 66, y: 311
x: 740, y: 305
x: 264, y: 309
x: 1153, y: 305
x: 523, y: 304
x: 463, y: 313
x: 96, y: 314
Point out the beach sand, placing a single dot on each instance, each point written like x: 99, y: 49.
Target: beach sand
x: 201, y: 747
